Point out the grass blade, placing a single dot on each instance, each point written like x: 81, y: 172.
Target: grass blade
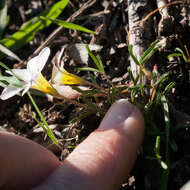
x: 9, y: 53
x: 174, y: 55
x: 88, y: 69
x: 46, y: 126
x: 96, y: 61
x: 148, y: 51
x: 130, y: 49
x: 68, y: 25
x: 3, y: 16
x: 165, y: 174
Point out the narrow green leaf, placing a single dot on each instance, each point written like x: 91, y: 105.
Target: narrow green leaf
x: 157, y: 147
x: 68, y: 25
x: 27, y: 32
x: 165, y: 174
x: 149, y: 50
x: 131, y: 75
x: 45, y: 126
x: 10, y: 80
x: 149, y: 55
x: 92, y: 78
x: 101, y: 64
x: 180, y: 50
x: 130, y: 49
x: 166, y: 118
x: 169, y: 88
x: 94, y: 59
x: 3, y: 16
x: 162, y: 78
x: 88, y: 69
x: 174, y: 55
x: 9, y: 53
x: 8, y: 69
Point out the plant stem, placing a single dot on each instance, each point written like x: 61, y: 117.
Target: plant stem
x: 48, y: 130
x: 165, y: 174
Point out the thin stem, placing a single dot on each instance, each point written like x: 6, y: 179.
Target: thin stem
x: 165, y: 174
x: 48, y: 130
x: 79, y: 104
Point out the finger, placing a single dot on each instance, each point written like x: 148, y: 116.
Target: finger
x: 106, y: 157
x: 23, y: 162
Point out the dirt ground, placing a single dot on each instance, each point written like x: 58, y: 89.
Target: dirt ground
x: 110, y: 21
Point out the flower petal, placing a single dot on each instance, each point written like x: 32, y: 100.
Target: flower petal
x: 63, y: 77
x: 66, y: 91
x: 23, y: 74
x: 26, y: 88
x: 10, y: 91
x: 36, y: 64
x: 43, y: 85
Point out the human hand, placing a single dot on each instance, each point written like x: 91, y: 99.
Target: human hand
x: 101, y: 161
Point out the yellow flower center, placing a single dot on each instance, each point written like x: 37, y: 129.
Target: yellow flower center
x: 43, y: 85
x: 65, y: 77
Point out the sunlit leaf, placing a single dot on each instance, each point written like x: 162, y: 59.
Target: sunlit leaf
x: 3, y: 16
x: 96, y: 60
x: 9, y: 53
x: 88, y: 69
x: 68, y: 25
x: 27, y: 32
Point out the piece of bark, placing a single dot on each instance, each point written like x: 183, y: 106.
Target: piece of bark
x: 166, y: 24
x: 141, y: 34
x: 185, y: 13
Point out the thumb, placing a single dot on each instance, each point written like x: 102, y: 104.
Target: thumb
x: 106, y: 157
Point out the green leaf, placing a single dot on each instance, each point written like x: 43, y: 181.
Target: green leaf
x: 9, y: 53
x: 149, y: 52
x: 130, y: 49
x: 3, y: 16
x: 92, y: 78
x: 10, y: 80
x: 167, y: 123
x: 183, y: 55
x: 162, y: 78
x: 101, y: 64
x: 174, y: 55
x: 27, y: 32
x: 180, y: 50
x: 88, y: 69
x: 68, y: 25
x: 157, y: 147
x: 169, y: 88
x: 43, y: 123
x: 96, y: 60
x: 165, y: 173
x: 131, y: 75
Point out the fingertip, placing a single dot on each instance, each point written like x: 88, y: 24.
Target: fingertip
x: 104, y: 159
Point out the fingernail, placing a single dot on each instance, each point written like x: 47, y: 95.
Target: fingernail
x: 116, y: 114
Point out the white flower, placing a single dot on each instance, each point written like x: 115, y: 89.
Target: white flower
x: 30, y: 77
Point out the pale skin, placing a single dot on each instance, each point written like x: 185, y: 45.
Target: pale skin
x: 102, y: 161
